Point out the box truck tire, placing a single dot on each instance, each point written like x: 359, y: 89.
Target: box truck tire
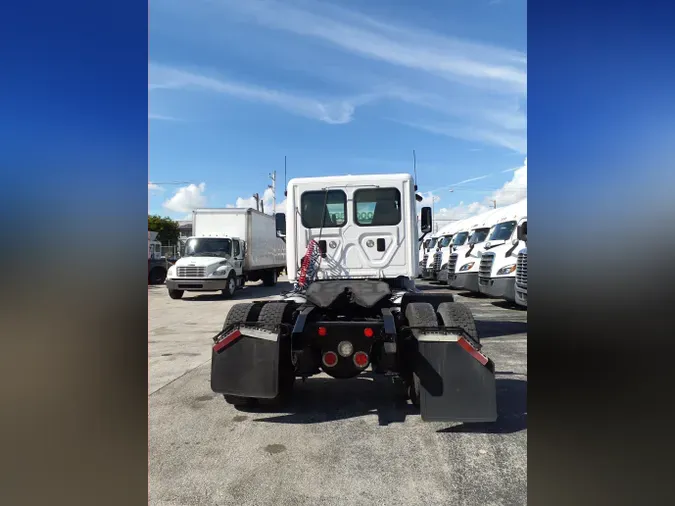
x: 176, y: 294
x: 270, y: 277
x: 230, y: 287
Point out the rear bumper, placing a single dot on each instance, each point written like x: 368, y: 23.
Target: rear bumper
x: 500, y: 288
x: 464, y: 281
x: 196, y: 285
x: 521, y: 296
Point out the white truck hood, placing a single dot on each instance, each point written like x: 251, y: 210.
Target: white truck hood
x: 199, y: 261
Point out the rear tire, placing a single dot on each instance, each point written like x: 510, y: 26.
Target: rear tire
x: 454, y: 314
x: 237, y: 401
x: 270, y: 277
x: 176, y: 294
x: 274, y: 314
x: 418, y: 314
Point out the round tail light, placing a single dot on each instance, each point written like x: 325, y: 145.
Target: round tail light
x: 361, y: 359
x: 368, y: 332
x: 329, y: 359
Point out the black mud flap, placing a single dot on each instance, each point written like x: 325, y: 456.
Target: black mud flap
x: 245, y: 362
x: 457, y: 382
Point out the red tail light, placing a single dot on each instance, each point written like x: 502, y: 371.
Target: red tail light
x: 361, y: 359
x: 368, y: 332
x: 329, y: 359
x: 322, y: 331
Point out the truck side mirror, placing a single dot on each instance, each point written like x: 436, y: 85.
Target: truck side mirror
x: 280, y: 224
x: 426, y: 220
x: 522, y: 232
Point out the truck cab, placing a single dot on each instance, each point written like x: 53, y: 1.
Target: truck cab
x: 497, y: 270
x: 365, y: 226
x: 427, y: 261
x: 458, y: 239
x: 463, y: 262
x: 521, y: 268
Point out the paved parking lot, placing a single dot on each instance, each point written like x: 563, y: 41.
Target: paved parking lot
x: 341, y: 442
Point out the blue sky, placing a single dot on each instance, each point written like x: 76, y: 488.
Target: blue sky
x: 341, y: 87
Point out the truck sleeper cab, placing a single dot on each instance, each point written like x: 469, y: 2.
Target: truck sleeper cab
x: 352, y: 252
x: 497, y: 270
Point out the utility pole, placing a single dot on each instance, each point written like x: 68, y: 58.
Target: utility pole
x: 273, y: 177
x: 257, y: 201
x: 262, y: 206
x: 494, y: 203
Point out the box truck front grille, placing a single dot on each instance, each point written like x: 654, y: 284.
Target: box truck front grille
x: 521, y: 270
x: 452, y: 263
x: 485, y: 269
x: 437, y: 260
x: 191, y: 272
x: 424, y: 260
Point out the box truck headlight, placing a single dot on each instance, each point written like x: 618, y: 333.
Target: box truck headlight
x: 506, y: 270
x: 466, y: 267
x: 220, y: 271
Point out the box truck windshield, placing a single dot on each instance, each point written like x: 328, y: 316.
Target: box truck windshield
x: 503, y: 231
x: 211, y: 246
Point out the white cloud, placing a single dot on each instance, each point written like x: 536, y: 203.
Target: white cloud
x: 187, y: 198
x: 513, y: 191
x: 160, y: 117
x: 267, y: 199
x: 443, y: 85
x: 329, y: 111
x: 154, y: 187
x: 449, y: 58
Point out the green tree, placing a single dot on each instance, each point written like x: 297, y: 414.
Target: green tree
x: 166, y: 228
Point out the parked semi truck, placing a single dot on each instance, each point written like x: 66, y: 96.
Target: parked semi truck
x: 354, y: 305
x: 228, y: 247
x: 497, y: 271
x: 445, y: 249
x: 521, y: 268
x: 464, y: 261
x: 427, y: 259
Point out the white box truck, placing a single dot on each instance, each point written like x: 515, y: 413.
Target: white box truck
x: 228, y: 247
x: 521, y: 268
x: 497, y: 271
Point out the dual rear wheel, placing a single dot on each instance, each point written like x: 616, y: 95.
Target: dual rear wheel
x: 448, y: 314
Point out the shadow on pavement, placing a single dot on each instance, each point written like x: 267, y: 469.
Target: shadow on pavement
x: 322, y: 400
x: 248, y: 292
x: 505, y: 304
x: 496, y: 328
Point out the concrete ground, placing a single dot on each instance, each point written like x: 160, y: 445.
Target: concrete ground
x: 341, y: 442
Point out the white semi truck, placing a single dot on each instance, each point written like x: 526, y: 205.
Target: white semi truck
x: 521, y: 268
x: 497, y: 270
x: 352, y: 251
x: 464, y: 261
x: 426, y: 261
x: 228, y: 247
x: 451, y: 234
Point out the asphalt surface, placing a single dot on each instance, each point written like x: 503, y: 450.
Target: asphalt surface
x: 341, y: 442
